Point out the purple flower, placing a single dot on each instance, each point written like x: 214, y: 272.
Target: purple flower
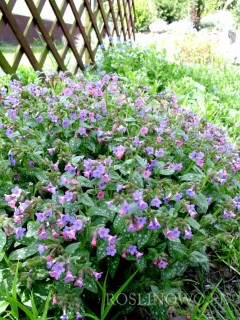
x: 190, y: 193
x: 159, y: 153
x: 19, y: 232
x: 66, y: 123
x: 69, y: 277
x: 111, y: 250
x: 81, y: 131
x: 70, y: 168
x: 78, y: 316
x: 51, y: 151
x: 40, y: 216
x: 150, y: 150
x: 68, y: 195
x: 77, y: 225
x: 31, y: 164
x: 119, y: 151
x: 131, y: 228
x: 187, y: 234
x: 162, y: 264
x: 172, y: 234
x: 178, y: 196
x: 142, y: 221
x: 69, y: 233
x: 137, y: 195
x: 126, y: 207
x: 43, y: 235
x: 132, y: 250
x: 103, y: 232
x: 41, y: 249
x: 97, y: 275
x: 193, y: 155
x: 142, y: 205
x: 39, y: 119
x: 119, y: 187
x: 156, y: 202
x: 16, y: 191
x: 51, y: 188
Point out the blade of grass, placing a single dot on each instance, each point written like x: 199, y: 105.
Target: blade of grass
x: 23, y: 308
x: 46, y: 306
x: 33, y: 305
x: 114, y: 298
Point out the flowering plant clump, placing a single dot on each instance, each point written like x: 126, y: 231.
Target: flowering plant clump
x: 99, y: 178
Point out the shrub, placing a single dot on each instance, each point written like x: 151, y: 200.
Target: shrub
x: 145, y: 14
x: 172, y: 10
x: 100, y: 178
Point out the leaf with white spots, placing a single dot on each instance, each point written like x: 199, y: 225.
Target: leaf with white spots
x: 3, y: 239
x: 101, y: 250
x: 24, y: 253
x: 143, y: 237
x: 141, y: 263
x: 89, y: 283
x: 113, y: 265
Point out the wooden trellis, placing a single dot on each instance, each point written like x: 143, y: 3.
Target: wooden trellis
x: 91, y: 22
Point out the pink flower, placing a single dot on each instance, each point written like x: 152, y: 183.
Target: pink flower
x: 100, y: 195
x: 69, y: 277
x: 138, y: 255
x: 146, y: 174
x: 79, y: 282
x: 143, y: 130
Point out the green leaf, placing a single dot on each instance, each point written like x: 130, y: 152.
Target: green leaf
x: 192, y: 177
x: 85, y: 199
x: 143, y: 237
x: 3, y: 239
x: 141, y: 161
x: 176, y: 269
x: 101, y: 251
x: 141, y: 264
x: 70, y: 208
x: 84, y: 182
x: 202, y: 202
x: 104, y: 212
x: 197, y: 258
x: 161, y: 247
x: 113, y: 265
x: 3, y: 306
x: 71, y: 248
x: 137, y: 179
x: 24, y: 253
x: 74, y: 145
x: 89, y: 283
x: 75, y: 160
x: 32, y: 227
x: 176, y: 249
x: 193, y: 223
x: 158, y: 311
x: 167, y: 172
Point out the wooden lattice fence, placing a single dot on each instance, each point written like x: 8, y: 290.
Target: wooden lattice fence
x: 82, y: 26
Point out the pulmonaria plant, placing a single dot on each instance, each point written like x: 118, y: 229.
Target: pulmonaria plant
x: 97, y: 176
